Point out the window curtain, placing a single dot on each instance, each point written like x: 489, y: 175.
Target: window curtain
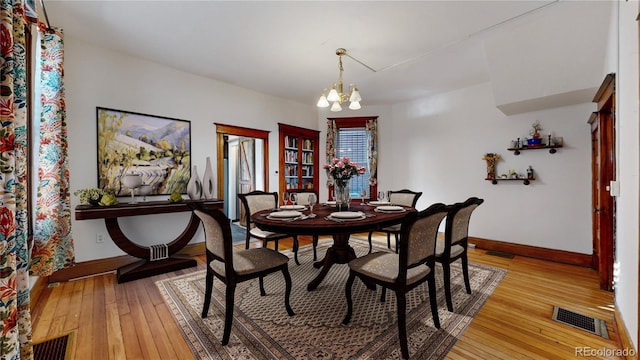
x: 52, y: 242
x: 331, y: 150
x: 15, y: 316
x: 372, y: 143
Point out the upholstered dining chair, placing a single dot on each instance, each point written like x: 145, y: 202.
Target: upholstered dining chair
x: 402, y: 197
x: 411, y: 266
x: 302, y: 198
x: 233, y: 267
x: 454, y: 244
x: 257, y: 201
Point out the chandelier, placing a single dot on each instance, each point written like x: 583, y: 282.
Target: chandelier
x: 337, y: 96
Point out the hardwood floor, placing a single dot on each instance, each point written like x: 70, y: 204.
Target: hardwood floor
x: 131, y: 321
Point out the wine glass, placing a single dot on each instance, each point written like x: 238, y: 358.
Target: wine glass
x: 363, y: 194
x: 132, y: 181
x: 285, y: 198
x: 144, y: 190
x: 294, y: 199
x: 381, y: 195
x: 312, y: 201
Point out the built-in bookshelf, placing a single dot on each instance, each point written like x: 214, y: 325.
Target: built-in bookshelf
x: 298, y: 158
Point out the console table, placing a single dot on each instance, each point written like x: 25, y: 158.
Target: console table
x: 147, y: 267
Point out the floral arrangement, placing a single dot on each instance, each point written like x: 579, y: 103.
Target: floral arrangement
x: 491, y: 159
x: 341, y: 170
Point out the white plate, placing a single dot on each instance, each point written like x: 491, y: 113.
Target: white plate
x: 390, y: 208
x: 347, y: 214
x: 376, y: 203
x: 330, y: 202
x: 292, y: 207
x: 284, y: 214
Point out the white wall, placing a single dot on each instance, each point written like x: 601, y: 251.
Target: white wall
x: 436, y: 146
x: 99, y: 77
x: 440, y: 142
x: 628, y: 145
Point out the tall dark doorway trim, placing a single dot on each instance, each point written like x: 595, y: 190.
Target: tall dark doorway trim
x: 603, y: 172
x: 223, y: 131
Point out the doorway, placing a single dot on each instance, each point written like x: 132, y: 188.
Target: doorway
x: 242, y: 165
x: 603, y: 170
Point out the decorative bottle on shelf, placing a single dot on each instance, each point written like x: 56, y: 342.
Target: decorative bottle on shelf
x: 194, y: 187
x: 530, y: 172
x: 207, y: 181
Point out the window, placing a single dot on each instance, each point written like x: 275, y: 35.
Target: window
x: 352, y: 143
x: 352, y: 140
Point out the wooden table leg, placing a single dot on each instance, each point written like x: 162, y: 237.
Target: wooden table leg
x: 339, y: 253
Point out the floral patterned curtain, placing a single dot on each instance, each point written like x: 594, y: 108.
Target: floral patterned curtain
x: 331, y: 150
x: 53, y: 245
x: 15, y: 316
x: 372, y: 142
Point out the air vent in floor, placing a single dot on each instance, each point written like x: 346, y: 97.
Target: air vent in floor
x: 582, y: 322
x: 500, y: 254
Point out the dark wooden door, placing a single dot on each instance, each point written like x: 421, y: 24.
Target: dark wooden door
x: 603, y: 171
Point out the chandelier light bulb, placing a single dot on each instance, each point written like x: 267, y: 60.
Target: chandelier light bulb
x: 355, y: 105
x: 333, y: 94
x: 355, y: 95
x: 323, y: 102
x: 336, y: 106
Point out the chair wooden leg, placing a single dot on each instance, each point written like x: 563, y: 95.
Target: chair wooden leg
x: 370, y: 245
x: 383, y: 295
x: 446, y: 269
x: 287, y: 291
x: 207, y: 294
x: 228, y: 314
x: 347, y: 291
x: 296, y: 245
x: 465, y: 273
x: 402, y: 323
x: 388, y: 240
x: 276, y: 247
x: 261, y: 282
x: 433, y: 301
x: 246, y: 242
x: 315, y: 244
x: 396, y: 236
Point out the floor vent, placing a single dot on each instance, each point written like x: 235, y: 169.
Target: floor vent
x: 579, y: 321
x: 500, y: 254
x: 54, y: 349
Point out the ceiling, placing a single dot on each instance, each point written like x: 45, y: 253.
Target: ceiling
x: 287, y: 49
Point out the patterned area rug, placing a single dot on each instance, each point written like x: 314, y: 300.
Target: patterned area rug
x: 263, y: 330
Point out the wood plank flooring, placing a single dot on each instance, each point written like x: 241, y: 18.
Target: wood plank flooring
x: 131, y: 321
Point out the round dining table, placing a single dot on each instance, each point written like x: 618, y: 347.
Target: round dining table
x: 324, y: 223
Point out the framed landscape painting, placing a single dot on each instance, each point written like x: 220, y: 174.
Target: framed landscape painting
x: 158, y: 148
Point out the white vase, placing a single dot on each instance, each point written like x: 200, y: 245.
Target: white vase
x: 194, y: 187
x: 207, y: 181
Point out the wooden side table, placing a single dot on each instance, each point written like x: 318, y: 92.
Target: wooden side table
x: 147, y: 266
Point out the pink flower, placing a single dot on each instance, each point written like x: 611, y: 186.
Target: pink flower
x: 326, y: 166
x: 345, y: 160
x: 340, y: 165
x: 336, y: 160
x: 361, y: 170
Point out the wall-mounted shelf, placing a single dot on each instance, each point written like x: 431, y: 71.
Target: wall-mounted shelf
x: 552, y: 148
x: 524, y: 181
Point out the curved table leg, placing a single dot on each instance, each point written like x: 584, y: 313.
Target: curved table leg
x: 145, y: 267
x: 340, y: 253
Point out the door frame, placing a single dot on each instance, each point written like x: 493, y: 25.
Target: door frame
x: 603, y: 160
x: 224, y: 129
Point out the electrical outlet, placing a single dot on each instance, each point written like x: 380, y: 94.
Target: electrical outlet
x: 99, y: 238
